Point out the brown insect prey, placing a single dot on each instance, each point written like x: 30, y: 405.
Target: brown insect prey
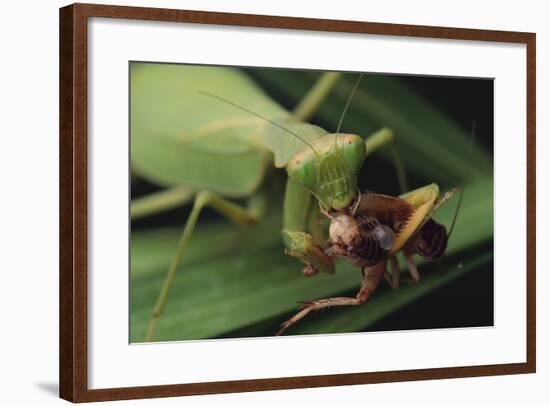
x: 365, y: 236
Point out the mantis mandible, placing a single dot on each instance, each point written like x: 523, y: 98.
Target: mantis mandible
x: 226, y: 151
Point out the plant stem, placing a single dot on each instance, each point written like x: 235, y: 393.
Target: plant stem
x: 399, y: 168
x: 160, y: 201
x: 380, y: 138
x: 315, y: 96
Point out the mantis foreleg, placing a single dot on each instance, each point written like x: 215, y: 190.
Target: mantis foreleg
x: 240, y: 215
x: 314, y: 225
x: 299, y: 243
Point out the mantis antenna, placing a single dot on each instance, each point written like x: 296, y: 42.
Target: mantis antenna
x: 461, y: 195
x: 348, y: 103
x: 259, y: 116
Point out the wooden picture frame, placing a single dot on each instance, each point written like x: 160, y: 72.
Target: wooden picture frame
x: 73, y: 210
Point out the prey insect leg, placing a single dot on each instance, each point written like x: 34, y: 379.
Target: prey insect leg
x: 413, y: 271
x: 395, y: 277
x: 371, y: 277
x: 318, y: 305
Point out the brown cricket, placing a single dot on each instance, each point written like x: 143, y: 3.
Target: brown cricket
x: 372, y: 232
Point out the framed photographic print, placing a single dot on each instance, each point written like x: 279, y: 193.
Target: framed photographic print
x: 255, y: 202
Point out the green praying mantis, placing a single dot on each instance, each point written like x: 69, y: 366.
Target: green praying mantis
x: 226, y: 152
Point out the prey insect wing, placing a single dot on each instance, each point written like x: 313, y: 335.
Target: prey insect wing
x: 389, y: 210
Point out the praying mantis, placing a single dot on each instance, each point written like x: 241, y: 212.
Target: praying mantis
x: 212, y: 155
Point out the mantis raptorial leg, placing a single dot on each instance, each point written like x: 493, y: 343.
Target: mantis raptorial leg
x: 239, y: 215
x: 314, y: 225
x: 297, y: 208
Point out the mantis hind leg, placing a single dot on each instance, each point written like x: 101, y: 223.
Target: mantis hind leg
x: 240, y: 215
x: 371, y: 277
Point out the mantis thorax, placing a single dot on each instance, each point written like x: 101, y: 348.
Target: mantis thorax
x: 330, y: 169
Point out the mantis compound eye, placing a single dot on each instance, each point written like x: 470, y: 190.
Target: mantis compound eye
x: 385, y: 237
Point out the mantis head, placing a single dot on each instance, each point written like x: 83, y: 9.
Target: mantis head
x: 328, y: 166
x: 329, y: 169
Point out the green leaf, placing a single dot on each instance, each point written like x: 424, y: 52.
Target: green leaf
x: 182, y: 136
x: 383, y: 303
x: 237, y: 277
x: 238, y: 282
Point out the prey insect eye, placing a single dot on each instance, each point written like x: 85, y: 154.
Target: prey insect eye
x: 385, y: 237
